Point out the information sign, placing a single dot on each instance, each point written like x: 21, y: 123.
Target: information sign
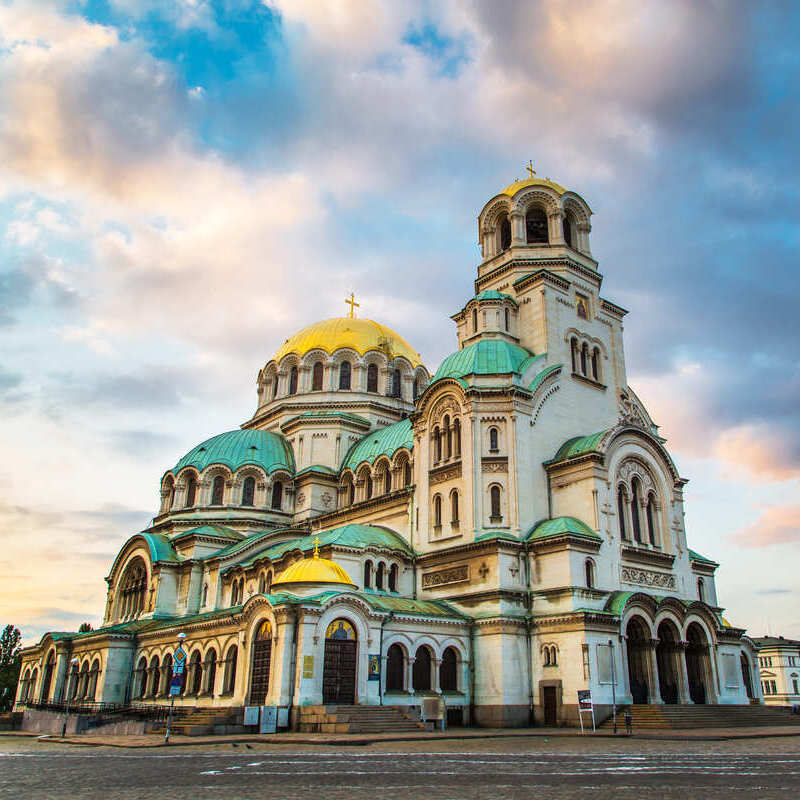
x: 374, y: 672
x: 251, y: 715
x: 269, y: 719
x: 585, y: 706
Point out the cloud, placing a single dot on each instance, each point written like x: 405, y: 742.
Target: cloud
x: 773, y: 591
x: 776, y: 526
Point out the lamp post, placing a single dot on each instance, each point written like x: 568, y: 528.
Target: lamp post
x: 613, y: 684
x: 178, y: 662
x: 73, y: 668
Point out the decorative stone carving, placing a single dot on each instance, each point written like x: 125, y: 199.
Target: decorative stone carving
x: 301, y: 498
x: 327, y: 499
x: 457, y: 574
x: 646, y: 577
x: 630, y: 413
x: 441, y: 475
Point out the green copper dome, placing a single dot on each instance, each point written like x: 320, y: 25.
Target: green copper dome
x: 234, y: 449
x: 384, y: 441
x: 485, y: 357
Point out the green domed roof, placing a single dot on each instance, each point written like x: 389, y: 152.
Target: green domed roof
x: 384, y: 441
x: 234, y: 449
x: 485, y: 357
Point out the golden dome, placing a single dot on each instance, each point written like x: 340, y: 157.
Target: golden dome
x: 360, y: 335
x: 314, y: 570
x: 513, y: 188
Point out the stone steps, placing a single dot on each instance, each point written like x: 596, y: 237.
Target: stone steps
x: 705, y: 716
x: 355, y: 719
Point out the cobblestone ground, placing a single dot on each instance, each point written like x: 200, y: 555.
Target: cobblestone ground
x: 447, y: 770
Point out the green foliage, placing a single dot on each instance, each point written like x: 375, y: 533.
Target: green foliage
x: 85, y: 627
x: 10, y: 663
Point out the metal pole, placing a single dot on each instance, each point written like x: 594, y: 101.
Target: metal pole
x: 169, y: 717
x: 613, y: 685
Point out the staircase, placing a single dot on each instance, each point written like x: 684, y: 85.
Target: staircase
x: 355, y: 719
x: 201, y: 722
x: 652, y: 717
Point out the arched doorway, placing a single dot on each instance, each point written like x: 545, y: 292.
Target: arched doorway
x: 339, y: 671
x: 48, y: 676
x: 394, y: 669
x: 638, y: 645
x: 696, y: 663
x: 422, y: 670
x: 448, y: 671
x: 667, y: 655
x: 262, y: 658
x: 747, y: 680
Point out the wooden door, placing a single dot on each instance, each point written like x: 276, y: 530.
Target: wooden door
x: 339, y: 672
x: 259, y: 681
x: 550, y: 705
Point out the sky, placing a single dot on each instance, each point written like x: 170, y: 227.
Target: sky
x: 185, y: 184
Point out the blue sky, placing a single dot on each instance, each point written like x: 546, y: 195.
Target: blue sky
x: 185, y: 184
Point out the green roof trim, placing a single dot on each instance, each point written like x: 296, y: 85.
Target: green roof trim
x: 695, y: 556
x: 403, y: 605
x: 321, y: 468
x: 161, y: 548
x: 492, y: 294
x: 234, y: 548
x: 328, y: 414
x: 487, y: 537
x: 234, y: 449
x: 210, y: 530
x: 382, y: 442
x: 579, y: 445
x: 545, y: 373
x: 558, y: 526
x: 484, y: 357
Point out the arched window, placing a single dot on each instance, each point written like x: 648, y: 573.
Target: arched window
x: 140, y: 679
x: 372, y: 378
x: 344, y: 375
x: 134, y: 584
x: 196, y: 673
x: 536, y: 226
x: 316, y: 377
x: 454, y: 507
x: 83, y: 680
x: 293, y: 380
x: 584, y: 357
x: 407, y: 473
x: 368, y: 485
x: 493, y: 440
x: 494, y: 494
x: 191, y: 491
x: 621, y: 502
x: 505, y: 233
x: 447, y: 435
x: 269, y: 580
x: 229, y: 680
x: 217, y: 489
x: 386, y: 479
x: 94, y: 673
x: 393, y: 578
x: 248, y: 491
x: 235, y: 593
x: 205, y: 594
x: 573, y: 347
x: 589, y: 568
x: 651, y: 518
x: 379, y: 573
x: 169, y: 499
x: 155, y: 676
x: 422, y: 670
x: 348, y: 490
x: 396, y: 392
x: 437, y: 445
x: 474, y: 320
x: 26, y: 686
x: 457, y: 438
x: 367, y: 574
x: 277, y: 495
x: 437, y: 510
x: 211, y: 671
x: 635, y: 493
x: 567, y: 225
x: 448, y: 671
x: 415, y: 389
x: 275, y: 387
x: 701, y: 590
x: 262, y: 583
x: 507, y: 318
x: 596, y: 364
x: 395, y: 669
x: 47, y: 676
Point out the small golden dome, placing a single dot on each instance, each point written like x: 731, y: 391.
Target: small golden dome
x: 314, y: 570
x: 361, y: 335
x: 513, y: 188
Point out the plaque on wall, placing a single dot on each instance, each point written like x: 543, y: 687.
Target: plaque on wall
x: 647, y: 577
x: 457, y: 574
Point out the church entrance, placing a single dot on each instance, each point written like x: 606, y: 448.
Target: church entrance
x: 748, y: 683
x: 339, y: 671
x: 667, y: 659
x: 696, y: 658
x: 638, y: 647
x: 550, y: 702
x: 262, y: 658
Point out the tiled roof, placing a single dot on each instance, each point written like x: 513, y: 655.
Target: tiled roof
x: 484, y: 357
x: 237, y: 448
x: 561, y: 525
x: 384, y: 441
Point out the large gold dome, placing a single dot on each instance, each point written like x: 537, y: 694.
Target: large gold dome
x: 513, y: 188
x: 313, y: 570
x: 360, y: 335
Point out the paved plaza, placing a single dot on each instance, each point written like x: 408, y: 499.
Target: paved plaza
x: 452, y: 769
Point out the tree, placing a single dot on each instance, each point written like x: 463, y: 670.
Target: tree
x: 85, y: 627
x: 10, y: 663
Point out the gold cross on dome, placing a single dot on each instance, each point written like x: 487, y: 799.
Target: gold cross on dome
x: 316, y: 547
x: 531, y: 170
x: 351, y: 301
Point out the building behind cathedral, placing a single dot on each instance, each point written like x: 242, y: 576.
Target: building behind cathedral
x: 503, y: 533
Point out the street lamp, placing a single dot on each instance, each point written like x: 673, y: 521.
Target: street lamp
x: 613, y: 684
x: 74, y: 668
x: 178, y: 661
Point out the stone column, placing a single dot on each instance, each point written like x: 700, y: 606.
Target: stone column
x: 435, y: 684
x: 410, y: 675
x: 683, y: 675
x: 517, y: 228
x: 280, y: 684
x: 652, y: 661
x: 556, y: 227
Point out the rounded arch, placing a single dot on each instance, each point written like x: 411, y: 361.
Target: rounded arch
x: 348, y: 607
x: 422, y: 669
x: 132, y: 587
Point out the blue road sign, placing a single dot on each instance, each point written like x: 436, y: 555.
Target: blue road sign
x: 177, y: 669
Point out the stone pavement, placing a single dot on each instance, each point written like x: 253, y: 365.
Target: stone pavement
x: 459, y: 734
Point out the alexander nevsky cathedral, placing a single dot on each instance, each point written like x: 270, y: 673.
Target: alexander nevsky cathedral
x: 503, y: 533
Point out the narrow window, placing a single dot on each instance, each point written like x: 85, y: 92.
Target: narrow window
x: 621, y: 511
x: 650, y: 512
x: 387, y: 480
x: 567, y: 231
x: 536, y: 226
x: 493, y: 448
x: 596, y: 364
x: 494, y: 494
x: 379, y: 576
x: 407, y: 473
x: 275, y: 387
x: 393, y: 578
x: 701, y: 590
x: 217, y: 490
x: 316, y: 377
x: 248, y: 491
x: 454, y: 508
x: 589, y: 574
x: 448, y: 437
x: 637, y: 528
x: 262, y: 583
x: 437, y: 446
x: 368, y: 486
x: 230, y: 669
x: 507, y: 318
x: 205, y: 594
x: 191, y: 491
x: 293, y: 381
x: 416, y: 388
x: 344, y: 375
x: 437, y: 511
x: 277, y: 495
x: 352, y: 493
x: 547, y: 656
x: 396, y: 384
x: 372, y: 378
x: 505, y: 233
x: 584, y: 356
x: 457, y: 438
x: 474, y: 320
x: 367, y: 574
